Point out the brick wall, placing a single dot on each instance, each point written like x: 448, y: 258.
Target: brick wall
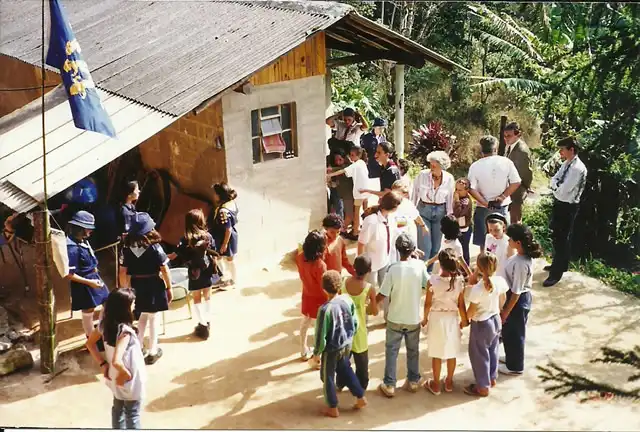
x: 187, y: 150
x: 279, y: 200
x: 18, y: 74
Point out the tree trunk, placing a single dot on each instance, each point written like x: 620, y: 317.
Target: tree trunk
x: 46, y: 299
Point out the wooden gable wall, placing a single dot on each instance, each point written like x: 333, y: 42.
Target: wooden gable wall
x: 306, y: 60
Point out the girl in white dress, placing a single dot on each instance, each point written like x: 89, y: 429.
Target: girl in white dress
x: 497, y: 242
x: 444, y: 315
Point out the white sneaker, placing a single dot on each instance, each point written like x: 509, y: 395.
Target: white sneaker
x: 503, y: 370
x: 386, y: 390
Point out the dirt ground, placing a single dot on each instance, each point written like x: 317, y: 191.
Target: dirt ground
x: 248, y: 375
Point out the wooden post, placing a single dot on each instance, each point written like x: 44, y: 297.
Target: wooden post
x: 502, y: 146
x: 46, y: 299
x: 398, y: 126
x: 42, y: 235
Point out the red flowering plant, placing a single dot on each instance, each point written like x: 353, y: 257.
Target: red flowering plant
x: 430, y: 138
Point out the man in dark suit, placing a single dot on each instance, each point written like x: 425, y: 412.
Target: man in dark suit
x: 518, y: 151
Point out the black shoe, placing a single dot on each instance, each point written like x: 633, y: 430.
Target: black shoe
x: 202, y: 331
x: 151, y: 359
x: 551, y: 281
x: 547, y: 268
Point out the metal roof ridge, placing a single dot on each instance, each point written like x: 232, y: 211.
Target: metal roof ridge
x: 329, y: 9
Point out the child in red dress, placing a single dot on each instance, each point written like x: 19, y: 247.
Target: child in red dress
x: 336, y: 256
x: 311, y: 267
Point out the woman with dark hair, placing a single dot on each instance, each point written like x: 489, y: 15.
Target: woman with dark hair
x: 146, y: 269
x: 311, y: 267
x: 519, y: 276
x: 128, y: 209
x: 390, y: 172
x: 222, y: 226
x: 87, y: 287
x: 123, y: 367
x: 377, y: 236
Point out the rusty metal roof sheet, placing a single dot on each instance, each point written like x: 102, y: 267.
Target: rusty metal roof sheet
x: 173, y: 55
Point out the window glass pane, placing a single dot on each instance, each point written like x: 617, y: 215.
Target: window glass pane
x: 286, y: 116
x: 271, y: 127
x: 257, y: 149
x: 286, y: 136
x: 255, y: 124
x: 265, y: 112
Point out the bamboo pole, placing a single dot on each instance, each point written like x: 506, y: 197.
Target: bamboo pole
x: 42, y: 235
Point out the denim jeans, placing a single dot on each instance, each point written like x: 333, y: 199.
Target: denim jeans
x: 465, y: 239
x: 430, y: 243
x: 395, y: 334
x: 125, y: 414
x: 335, y: 367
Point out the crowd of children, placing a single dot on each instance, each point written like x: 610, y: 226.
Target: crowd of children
x: 493, y: 299
x: 145, y: 281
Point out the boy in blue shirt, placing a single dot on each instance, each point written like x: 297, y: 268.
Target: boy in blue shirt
x: 336, y: 324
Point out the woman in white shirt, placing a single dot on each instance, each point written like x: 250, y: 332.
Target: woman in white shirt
x: 377, y: 236
x: 433, y: 196
x: 486, y: 298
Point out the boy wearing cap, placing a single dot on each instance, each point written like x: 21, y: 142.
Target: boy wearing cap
x: 87, y: 288
x: 403, y: 285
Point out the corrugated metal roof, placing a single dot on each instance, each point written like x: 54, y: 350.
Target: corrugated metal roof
x: 166, y: 54
x: 173, y: 55
x: 72, y: 153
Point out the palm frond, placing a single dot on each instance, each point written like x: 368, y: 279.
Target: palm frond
x: 506, y: 29
x: 505, y: 46
x: 518, y: 84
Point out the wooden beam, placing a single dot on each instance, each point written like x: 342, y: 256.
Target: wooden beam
x: 398, y: 125
x: 364, y: 29
x: 353, y: 36
x: 398, y: 57
x: 357, y: 58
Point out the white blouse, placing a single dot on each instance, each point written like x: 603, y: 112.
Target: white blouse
x: 424, y: 190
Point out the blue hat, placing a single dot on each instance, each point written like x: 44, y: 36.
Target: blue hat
x: 379, y: 122
x: 83, y: 219
x: 142, y: 224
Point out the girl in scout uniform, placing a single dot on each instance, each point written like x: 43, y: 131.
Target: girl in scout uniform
x: 87, y: 288
x: 146, y: 270
x: 222, y: 226
x: 196, y: 249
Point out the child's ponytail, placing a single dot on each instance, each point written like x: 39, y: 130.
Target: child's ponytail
x: 448, y: 262
x: 487, y: 264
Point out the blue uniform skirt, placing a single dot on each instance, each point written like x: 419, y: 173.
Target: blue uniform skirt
x: 85, y: 297
x: 232, y: 249
x: 151, y: 295
x: 208, y: 277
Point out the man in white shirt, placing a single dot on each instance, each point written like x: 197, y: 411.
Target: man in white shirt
x: 349, y: 126
x: 518, y: 151
x: 567, y: 187
x: 493, y: 179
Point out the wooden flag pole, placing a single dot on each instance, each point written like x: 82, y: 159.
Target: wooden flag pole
x: 42, y: 235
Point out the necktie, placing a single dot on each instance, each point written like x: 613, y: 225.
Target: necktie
x: 508, y: 151
x: 386, y: 225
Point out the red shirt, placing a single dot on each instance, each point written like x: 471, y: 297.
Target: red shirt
x: 336, y: 257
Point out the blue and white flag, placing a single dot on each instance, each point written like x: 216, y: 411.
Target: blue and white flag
x: 64, y: 54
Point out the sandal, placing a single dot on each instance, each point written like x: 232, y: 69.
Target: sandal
x: 427, y: 385
x: 472, y: 390
x: 448, y: 389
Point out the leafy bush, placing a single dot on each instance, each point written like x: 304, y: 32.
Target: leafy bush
x: 537, y: 217
x: 430, y: 138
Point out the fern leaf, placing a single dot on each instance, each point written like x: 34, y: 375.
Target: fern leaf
x: 519, y: 84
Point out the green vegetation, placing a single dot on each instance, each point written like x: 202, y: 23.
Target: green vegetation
x: 557, y: 69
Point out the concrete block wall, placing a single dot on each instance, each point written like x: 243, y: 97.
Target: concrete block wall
x: 279, y: 200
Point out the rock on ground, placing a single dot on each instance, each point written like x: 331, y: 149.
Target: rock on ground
x: 15, y: 360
